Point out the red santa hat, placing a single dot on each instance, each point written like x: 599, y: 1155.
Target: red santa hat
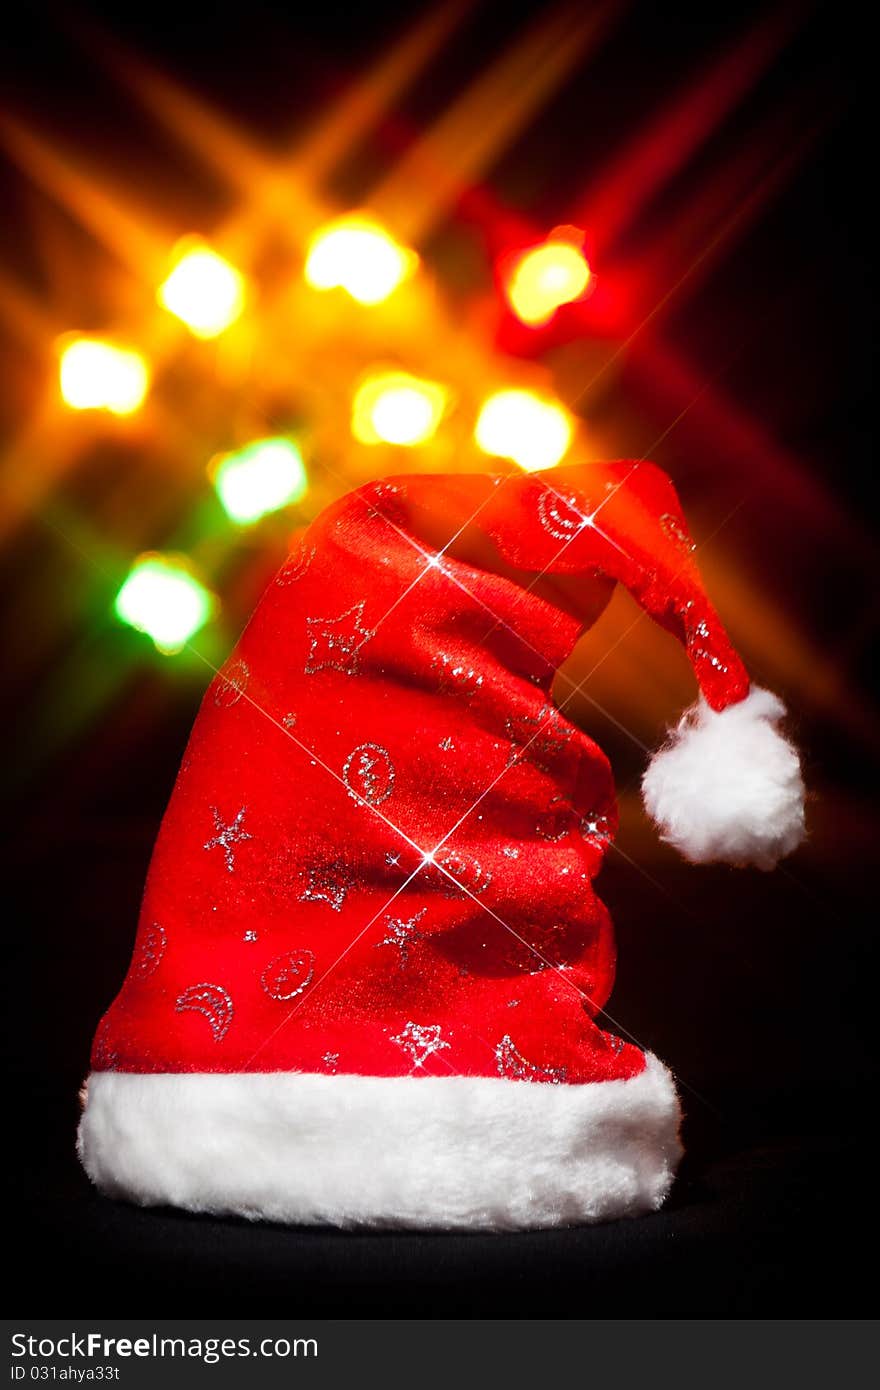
x: 370, y: 955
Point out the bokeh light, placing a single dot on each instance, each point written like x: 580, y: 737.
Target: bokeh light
x: 263, y: 477
x: 163, y: 599
x: 204, y: 291
x: 546, y: 277
x: 396, y: 408
x: 96, y: 375
x: 520, y: 425
x: 356, y: 254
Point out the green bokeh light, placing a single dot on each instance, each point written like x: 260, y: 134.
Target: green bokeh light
x: 261, y: 478
x: 161, y: 598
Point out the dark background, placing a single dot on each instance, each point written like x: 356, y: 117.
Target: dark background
x: 759, y: 990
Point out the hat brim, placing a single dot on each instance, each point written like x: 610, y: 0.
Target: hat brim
x: 457, y: 1152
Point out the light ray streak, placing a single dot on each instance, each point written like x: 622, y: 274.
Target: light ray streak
x: 278, y: 189
x: 475, y: 131
x: 741, y: 215
x: 501, y: 622
x: 674, y: 137
x: 432, y: 559
x: 366, y: 103
x: 131, y: 237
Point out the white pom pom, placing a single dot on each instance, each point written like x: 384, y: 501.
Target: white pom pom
x: 727, y: 787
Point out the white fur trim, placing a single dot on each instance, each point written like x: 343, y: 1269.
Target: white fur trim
x: 727, y: 786
x: 458, y: 1151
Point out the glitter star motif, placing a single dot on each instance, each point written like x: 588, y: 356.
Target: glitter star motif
x: 228, y: 834
x: 330, y: 1060
x: 336, y: 642
x: 328, y: 883
x: 420, y: 1040
x: 402, y: 933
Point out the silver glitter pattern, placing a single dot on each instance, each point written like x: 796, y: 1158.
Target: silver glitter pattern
x: 456, y: 676
x: 420, y: 1040
x: 596, y: 826
x: 368, y: 774
x: 700, y: 654
x: 403, y: 933
x: 673, y: 529
x: 560, y: 516
x: 151, y: 951
x: 296, y: 565
x: 288, y: 974
x: 231, y: 684
x: 515, y: 1067
x: 555, y: 823
x: 213, y: 1002
x: 229, y: 833
x: 538, y: 738
x: 328, y: 883
x: 467, y: 873
x: 106, y: 1058
x: 336, y: 642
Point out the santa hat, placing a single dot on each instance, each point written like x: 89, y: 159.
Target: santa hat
x: 370, y: 955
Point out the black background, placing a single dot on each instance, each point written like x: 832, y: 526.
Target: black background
x: 759, y: 990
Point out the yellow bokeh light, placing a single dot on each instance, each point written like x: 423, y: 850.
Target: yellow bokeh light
x: 356, y: 254
x: 204, y: 291
x: 519, y: 425
x: 544, y: 278
x: 396, y: 408
x: 96, y: 375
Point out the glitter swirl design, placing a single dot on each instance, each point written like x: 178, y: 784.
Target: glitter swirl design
x: 296, y: 565
x: 288, y: 974
x: 368, y: 773
x: 150, y: 951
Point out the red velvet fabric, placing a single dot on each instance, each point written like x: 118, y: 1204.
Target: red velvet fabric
x: 380, y: 850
